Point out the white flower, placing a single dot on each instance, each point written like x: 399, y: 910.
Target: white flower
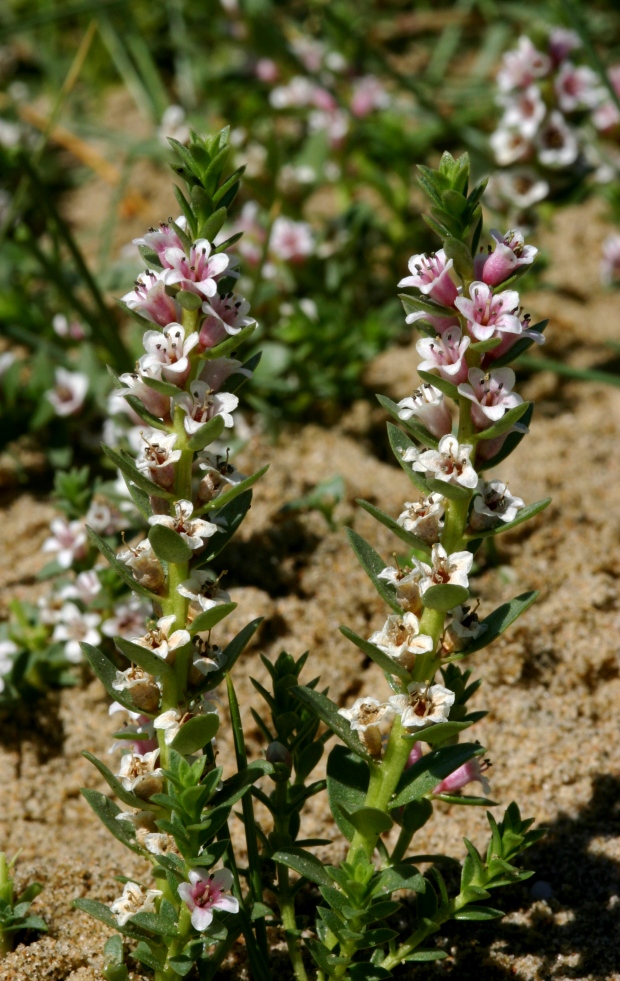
x: 491, y: 394
x: 74, y: 627
x: 69, y: 393
x: 160, y: 640
x: 191, y: 530
x: 449, y: 462
x: 557, y: 143
x: 428, y: 406
x: 203, y: 590
x: 134, y: 900
x: 509, y: 145
x: 86, y: 586
x: 218, y: 473
x: 423, y: 706
x: 463, y: 628
x: 517, y: 188
x: 157, y: 456
x: 127, y: 618
x: 172, y: 720
x: 104, y: 519
x: 68, y: 539
x: 225, y: 315
x: 202, y: 404
x: 205, y: 659
x: 450, y: 569
x: 423, y: 518
x: 366, y: 716
x: 144, y: 564
x: 173, y: 125
x: 578, y: 88
x: 492, y: 503
x: 142, y: 687
x: 8, y: 649
x: 291, y: 240
x: 159, y: 844
x: 406, y: 582
x: 169, y: 349
x: 522, y: 65
x: 524, y: 111
x: 447, y: 354
x: 400, y: 639
x: 140, y: 775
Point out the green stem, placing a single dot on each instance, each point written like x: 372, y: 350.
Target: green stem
x: 286, y: 902
x: 384, y: 778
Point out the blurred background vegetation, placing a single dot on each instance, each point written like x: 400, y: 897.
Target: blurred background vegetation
x: 331, y: 107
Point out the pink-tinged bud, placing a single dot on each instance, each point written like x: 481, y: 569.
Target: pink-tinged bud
x: 509, y: 254
x: 414, y: 755
x: 267, y: 70
x: 278, y: 753
x: 473, y: 770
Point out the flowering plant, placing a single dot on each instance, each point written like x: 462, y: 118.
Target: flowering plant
x: 396, y: 755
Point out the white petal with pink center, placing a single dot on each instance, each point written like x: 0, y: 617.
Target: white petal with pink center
x: 193, y: 531
x: 140, y: 775
x: 197, y: 272
x: 400, y: 639
x: 428, y: 407
x: 201, y: 404
x: 406, y: 583
x: 69, y: 392
x: 203, y: 590
x: 168, y: 349
x: 452, y: 569
x: 424, y: 518
x: 160, y: 640
x: 75, y: 628
x: 446, y: 354
x: 449, y: 462
x: 494, y: 502
x: 522, y: 65
x: 225, y: 315
x: 524, y: 111
x: 205, y: 892
x: 488, y: 313
x: 150, y: 299
x: 491, y: 394
x: 423, y: 706
x: 557, y: 143
x: 431, y: 275
x: 134, y: 900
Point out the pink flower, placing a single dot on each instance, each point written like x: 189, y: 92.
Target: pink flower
x: 446, y: 353
x: 65, y: 328
x: 610, y: 263
x: 510, y: 252
x: 205, y: 892
x: 219, y: 370
x: 414, y: 755
x: 266, y: 70
x: 468, y: 772
x: 522, y: 65
x: 561, y: 43
x: 68, y: 540
x: 488, y: 314
x: 291, y: 240
x: 368, y: 95
x: 524, y: 111
x: 491, y: 395
x: 161, y: 239
x: 152, y: 401
x: 201, y: 405
x: 150, y: 299
x: 431, y: 275
x: 197, y: 272
x: 226, y: 315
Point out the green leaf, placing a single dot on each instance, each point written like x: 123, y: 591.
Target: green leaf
x: 155, y: 924
x: 168, y: 545
x: 460, y: 254
x: 122, y: 570
x: 235, y: 787
x: 505, y: 423
x: 500, y: 620
x: 369, y: 820
x: 145, y: 954
x: 328, y: 712
x: 440, y: 732
x: 196, y: 733
x: 414, y: 427
x: 524, y: 514
x: 510, y: 443
x: 260, y: 910
x: 227, y: 496
x: 385, y: 662
x: 405, y: 536
x: 478, y: 913
x: 106, y: 670
x: 321, y: 954
x: 158, y: 385
x: 304, y: 863
x: 442, y: 384
x: 481, y: 347
x: 468, y: 801
x: 239, y: 642
x: 145, y: 658
x: 189, y: 301
x: 142, y: 412
x: 399, y: 443
x: 210, y: 228
x: 209, y: 618
x: 454, y: 492
x: 426, y: 955
x: 233, y: 513
x: 206, y: 434
x: 361, y: 971
x: 106, y: 810
x: 347, y: 786
x: 181, y: 964
x: 372, y: 564
x: 401, y: 876
x: 127, y: 467
x: 229, y: 345
x: 102, y: 912
x: 421, y: 778
x: 412, y: 304
x: 444, y: 597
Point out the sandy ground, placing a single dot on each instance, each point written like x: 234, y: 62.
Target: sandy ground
x: 552, y: 683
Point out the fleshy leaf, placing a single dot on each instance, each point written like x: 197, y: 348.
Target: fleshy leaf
x: 209, y: 618
x: 145, y: 658
x: 347, y: 785
x: 405, y: 536
x: 445, y: 596
x: 500, y: 620
x: 370, y: 820
x: 168, y: 545
x: 196, y: 733
x: 206, y: 434
x: 421, y: 778
x: 385, y: 662
x: 399, y: 443
x: 505, y: 423
x: 523, y: 514
x: 305, y: 863
x: 227, y: 496
x: 447, y: 387
x: 373, y: 564
x: 106, y: 810
x: 106, y: 670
